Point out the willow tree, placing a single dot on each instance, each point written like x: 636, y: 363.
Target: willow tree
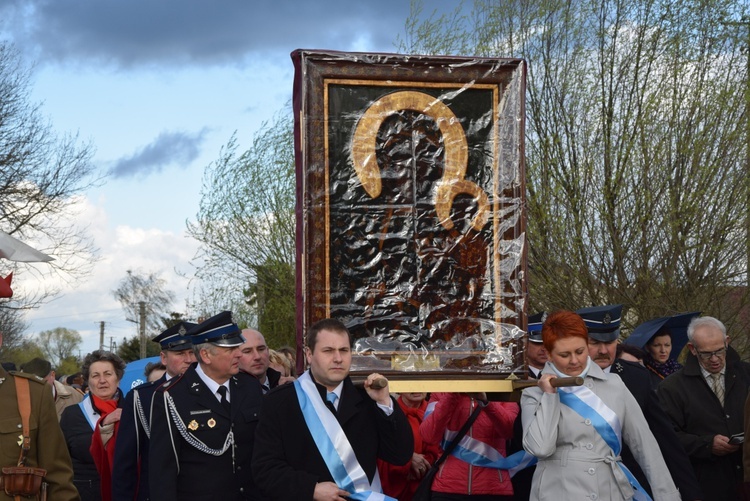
x: 635, y: 149
x: 245, y: 224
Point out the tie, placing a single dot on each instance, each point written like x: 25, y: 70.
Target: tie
x: 266, y: 389
x: 717, y: 387
x: 332, y: 397
x: 224, y: 402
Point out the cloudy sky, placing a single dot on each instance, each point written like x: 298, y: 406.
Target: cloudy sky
x: 158, y: 87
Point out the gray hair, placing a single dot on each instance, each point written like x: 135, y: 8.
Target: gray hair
x: 699, y: 322
x: 103, y: 356
x: 210, y: 347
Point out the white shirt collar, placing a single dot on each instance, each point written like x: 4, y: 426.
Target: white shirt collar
x: 337, y: 390
x: 212, y: 385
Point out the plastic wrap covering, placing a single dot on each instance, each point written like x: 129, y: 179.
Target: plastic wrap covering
x: 410, y: 213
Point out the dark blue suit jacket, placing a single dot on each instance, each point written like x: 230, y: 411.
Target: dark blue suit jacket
x: 130, y: 478
x: 178, y: 469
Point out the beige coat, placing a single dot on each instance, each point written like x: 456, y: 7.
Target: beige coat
x: 65, y: 396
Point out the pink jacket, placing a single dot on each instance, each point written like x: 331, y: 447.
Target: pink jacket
x: 494, y: 426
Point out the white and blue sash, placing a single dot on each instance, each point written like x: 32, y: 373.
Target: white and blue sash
x: 88, y: 411
x: 334, y: 446
x: 478, y: 453
x: 588, y: 405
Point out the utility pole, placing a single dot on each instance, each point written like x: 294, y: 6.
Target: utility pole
x: 101, y: 335
x: 142, y: 316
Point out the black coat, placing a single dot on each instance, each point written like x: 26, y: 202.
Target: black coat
x: 131, y: 451
x: 698, y: 416
x: 638, y: 380
x: 201, y: 476
x: 274, y: 377
x: 78, y: 434
x: 286, y: 461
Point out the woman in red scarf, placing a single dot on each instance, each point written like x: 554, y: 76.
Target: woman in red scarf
x: 90, y: 428
x: 400, y: 482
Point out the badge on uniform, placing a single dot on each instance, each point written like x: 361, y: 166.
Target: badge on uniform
x: 193, y: 425
x: 211, y: 423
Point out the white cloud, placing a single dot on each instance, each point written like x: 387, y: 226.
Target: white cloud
x: 81, y: 307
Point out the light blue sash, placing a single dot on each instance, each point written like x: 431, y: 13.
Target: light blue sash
x: 588, y: 405
x: 333, y: 445
x: 88, y: 411
x: 478, y: 453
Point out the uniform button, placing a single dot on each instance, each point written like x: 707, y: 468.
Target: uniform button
x: 242, y: 489
x: 587, y: 422
x: 592, y: 471
x: 589, y: 446
x: 589, y: 385
x: 593, y: 495
x: 239, y: 468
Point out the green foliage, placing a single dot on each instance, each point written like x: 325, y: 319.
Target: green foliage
x: 22, y: 351
x: 59, y: 344
x: 246, y: 226
x: 69, y: 365
x: 272, y: 294
x: 130, y: 349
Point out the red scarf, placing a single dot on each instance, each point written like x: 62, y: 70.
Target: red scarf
x: 397, y: 481
x: 104, y: 456
x: 414, y: 415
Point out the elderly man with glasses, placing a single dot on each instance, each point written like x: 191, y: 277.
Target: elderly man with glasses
x: 705, y: 400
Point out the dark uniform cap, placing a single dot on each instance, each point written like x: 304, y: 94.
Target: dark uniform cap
x: 219, y: 330
x: 602, y: 322
x: 535, y: 326
x: 176, y: 337
x: 38, y: 367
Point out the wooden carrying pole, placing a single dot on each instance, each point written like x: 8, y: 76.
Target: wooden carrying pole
x: 489, y: 386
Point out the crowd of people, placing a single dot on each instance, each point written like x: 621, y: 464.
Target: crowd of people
x: 223, y: 416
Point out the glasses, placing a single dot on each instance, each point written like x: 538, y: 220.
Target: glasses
x: 708, y: 355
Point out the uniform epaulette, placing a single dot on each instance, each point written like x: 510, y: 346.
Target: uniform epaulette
x: 26, y: 375
x: 168, y: 384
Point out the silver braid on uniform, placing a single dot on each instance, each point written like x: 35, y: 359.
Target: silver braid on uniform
x: 141, y: 414
x: 189, y: 438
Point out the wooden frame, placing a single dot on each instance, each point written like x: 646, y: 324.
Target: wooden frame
x: 410, y: 212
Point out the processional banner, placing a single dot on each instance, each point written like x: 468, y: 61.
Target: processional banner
x: 410, y: 208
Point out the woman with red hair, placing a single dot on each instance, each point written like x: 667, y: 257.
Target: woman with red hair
x: 576, y: 433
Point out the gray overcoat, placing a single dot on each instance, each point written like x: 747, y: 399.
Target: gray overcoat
x: 574, y: 460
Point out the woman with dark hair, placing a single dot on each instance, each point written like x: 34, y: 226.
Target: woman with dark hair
x: 576, y: 433
x: 90, y: 428
x: 658, y: 349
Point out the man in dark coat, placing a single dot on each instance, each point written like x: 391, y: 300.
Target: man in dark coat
x: 293, y: 463
x: 131, y: 451
x: 604, y: 330
x: 255, y: 360
x: 705, y: 401
x: 203, y: 423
